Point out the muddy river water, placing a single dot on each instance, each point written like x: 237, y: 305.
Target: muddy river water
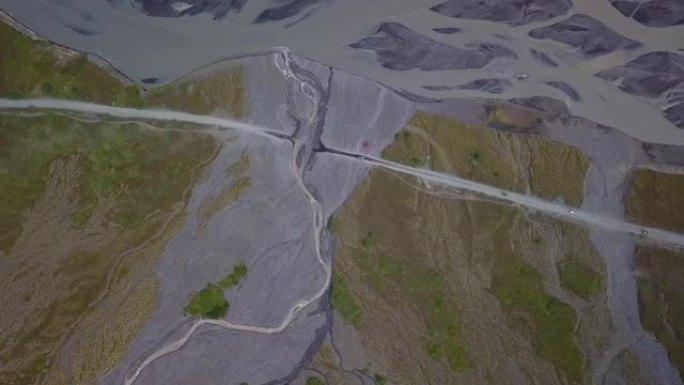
x: 619, y: 71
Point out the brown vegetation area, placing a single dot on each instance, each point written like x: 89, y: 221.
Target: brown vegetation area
x: 450, y: 289
x: 91, y: 207
x: 656, y: 199
x: 660, y: 275
x: 519, y: 162
x: 222, y: 92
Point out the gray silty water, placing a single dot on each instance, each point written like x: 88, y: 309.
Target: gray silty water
x: 492, y: 42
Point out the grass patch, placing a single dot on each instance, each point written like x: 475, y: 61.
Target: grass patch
x: 213, y: 205
x: 579, y: 278
x: 423, y: 261
x: 366, y: 241
x: 122, y: 165
x: 661, y: 312
x: 655, y: 199
x: 314, y: 381
x: 416, y: 162
x: 333, y: 226
x: 143, y: 170
x: 550, y: 322
x: 495, y: 157
x: 233, y: 279
x: 343, y: 301
x: 428, y: 289
x: 222, y: 92
x: 379, y: 379
x: 208, y: 302
x: 661, y: 298
x: 29, y: 68
x: 408, y: 149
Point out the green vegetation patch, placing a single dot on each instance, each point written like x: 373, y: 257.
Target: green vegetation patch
x: 579, y: 278
x: 314, y: 381
x: 438, y: 259
x: 143, y: 170
x: 367, y: 240
x: 30, y: 68
x: 655, y: 199
x: 408, y: 148
x: 343, y: 301
x: 134, y: 178
x: 333, y: 226
x: 428, y: 288
x: 233, y: 279
x: 551, y: 323
x: 661, y: 298
x: 379, y: 379
x: 213, y: 205
x: 220, y: 92
x: 208, y: 302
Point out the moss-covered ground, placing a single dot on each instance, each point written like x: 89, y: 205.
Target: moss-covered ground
x: 210, y: 302
x: 314, y: 381
x: 343, y: 301
x: 661, y: 298
x: 579, y: 278
x: 222, y: 92
x: 519, y: 288
x: 235, y: 277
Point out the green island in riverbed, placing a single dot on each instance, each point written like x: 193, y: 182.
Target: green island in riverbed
x: 210, y: 302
